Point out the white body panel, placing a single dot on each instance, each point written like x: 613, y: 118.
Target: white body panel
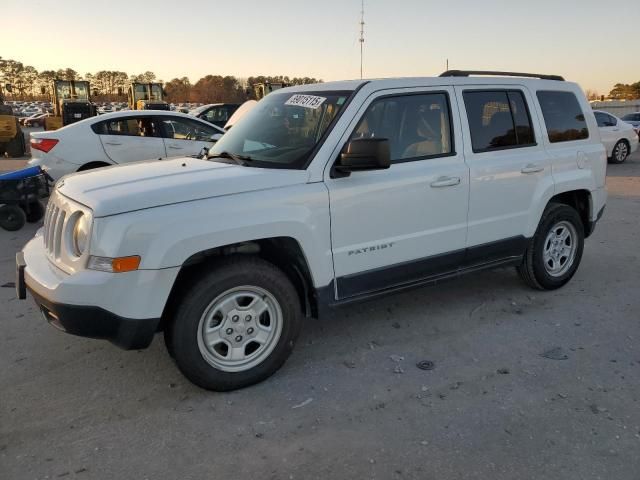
x: 612, y: 134
x: 79, y: 144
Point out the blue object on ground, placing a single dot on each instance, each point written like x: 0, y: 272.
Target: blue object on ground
x: 20, y: 174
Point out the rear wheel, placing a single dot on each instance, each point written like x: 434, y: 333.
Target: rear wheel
x: 620, y: 152
x: 15, y: 148
x: 12, y: 217
x: 555, y: 251
x: 236, y: 325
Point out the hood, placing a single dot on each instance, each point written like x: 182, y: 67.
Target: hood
x: 152, y: 183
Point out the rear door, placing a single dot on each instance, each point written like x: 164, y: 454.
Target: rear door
x: 510, y: 171
x: 130, y: 139
x: 185, y: 136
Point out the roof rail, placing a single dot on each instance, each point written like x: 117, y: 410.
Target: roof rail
x: 466, y: 73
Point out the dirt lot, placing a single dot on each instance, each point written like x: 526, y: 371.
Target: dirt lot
x: 350, y: 402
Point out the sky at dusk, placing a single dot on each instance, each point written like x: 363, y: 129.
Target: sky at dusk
x: 585, y: 41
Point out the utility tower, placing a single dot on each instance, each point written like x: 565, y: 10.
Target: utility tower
x: 361, y: 35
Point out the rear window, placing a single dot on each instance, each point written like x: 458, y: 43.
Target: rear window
x: 563, y: 116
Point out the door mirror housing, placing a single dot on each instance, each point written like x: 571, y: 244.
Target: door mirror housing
x: 364, y: 154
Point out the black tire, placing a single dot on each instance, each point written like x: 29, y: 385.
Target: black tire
x: 12, y: 217
x: 232, y: 272
x: 15, y: 148
x: 620, y: 152
x: 36, y: 211
x: 533, y: 270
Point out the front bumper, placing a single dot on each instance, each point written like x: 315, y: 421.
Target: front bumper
x: 124, y: 308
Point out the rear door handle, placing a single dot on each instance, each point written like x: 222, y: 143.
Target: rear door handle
x: 175, y: 147
x: 113, y: 143
x: 532, y: 168
x: 446, y: 182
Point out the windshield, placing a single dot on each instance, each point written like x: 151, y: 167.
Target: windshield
x: 282, y: 129
x: 632, y: 116
x: 79, y: 90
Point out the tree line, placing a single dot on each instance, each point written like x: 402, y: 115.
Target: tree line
x: 111, y: 85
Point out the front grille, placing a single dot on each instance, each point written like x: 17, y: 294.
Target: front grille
x: 53, y: 228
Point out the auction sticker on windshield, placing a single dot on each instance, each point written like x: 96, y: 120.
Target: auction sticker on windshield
x: 306, y: 101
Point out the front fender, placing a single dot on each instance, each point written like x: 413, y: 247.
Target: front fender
x: 167, y: 236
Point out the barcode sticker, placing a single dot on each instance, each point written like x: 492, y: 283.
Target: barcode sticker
x: 306, y: 101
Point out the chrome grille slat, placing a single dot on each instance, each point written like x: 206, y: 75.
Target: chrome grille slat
x: 57, y: 235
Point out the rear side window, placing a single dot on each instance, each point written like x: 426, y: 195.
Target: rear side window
x: 128, y: 126
x: 498, y: 119
x: 563, y: 116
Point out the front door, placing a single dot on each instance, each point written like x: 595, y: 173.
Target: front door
x: 130, y: 139
x: 394, y: 227
x: 609, y: 129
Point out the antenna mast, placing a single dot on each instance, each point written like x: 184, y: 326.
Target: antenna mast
x: 361, y: 35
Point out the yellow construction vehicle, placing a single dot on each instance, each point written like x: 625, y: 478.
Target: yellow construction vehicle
x: 146, y: 96
x: 263, y: 89
x: 71, y: 104
x: 12, y: 141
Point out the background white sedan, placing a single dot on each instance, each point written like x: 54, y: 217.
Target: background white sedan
x: 120, y: 137
x: 618, y: 137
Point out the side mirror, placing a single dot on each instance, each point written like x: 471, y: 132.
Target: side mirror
x: 215, y: 137
x: 364, y: 154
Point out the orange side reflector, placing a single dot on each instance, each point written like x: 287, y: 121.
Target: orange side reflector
x: 125, y: 264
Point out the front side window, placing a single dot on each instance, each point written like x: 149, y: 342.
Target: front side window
x: 498, y: 119
x: 185, y: 129
x: 283, y: 129
x: 417, y: 126
x: 128, y: 126
x: 563, y: 116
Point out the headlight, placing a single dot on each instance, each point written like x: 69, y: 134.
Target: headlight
x: 80, y: 234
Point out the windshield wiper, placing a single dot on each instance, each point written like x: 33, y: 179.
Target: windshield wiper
x: 239, y: 159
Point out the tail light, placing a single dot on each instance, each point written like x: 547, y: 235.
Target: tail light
x: 44, y: 144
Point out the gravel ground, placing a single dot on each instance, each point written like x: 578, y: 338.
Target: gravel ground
x: 350, y: 402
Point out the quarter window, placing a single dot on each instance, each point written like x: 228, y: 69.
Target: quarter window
x: 563, y: 116
x: 417, y: 126
x: 498, y: 119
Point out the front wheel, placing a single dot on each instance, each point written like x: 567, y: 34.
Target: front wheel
x: 12, y: 217
x: 236, y: 325
x: 554, y: 253
x: 620, y: 152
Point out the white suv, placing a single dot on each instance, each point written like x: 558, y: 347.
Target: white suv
x: 321, y: 195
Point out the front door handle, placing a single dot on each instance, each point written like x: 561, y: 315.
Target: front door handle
x: 113, y: 143
x: 446, y: 182
x: 175, y: 147
x: 532, y: 168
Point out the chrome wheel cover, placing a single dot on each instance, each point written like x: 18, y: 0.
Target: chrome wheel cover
x: 240, y: 328
x: 621, y: 152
